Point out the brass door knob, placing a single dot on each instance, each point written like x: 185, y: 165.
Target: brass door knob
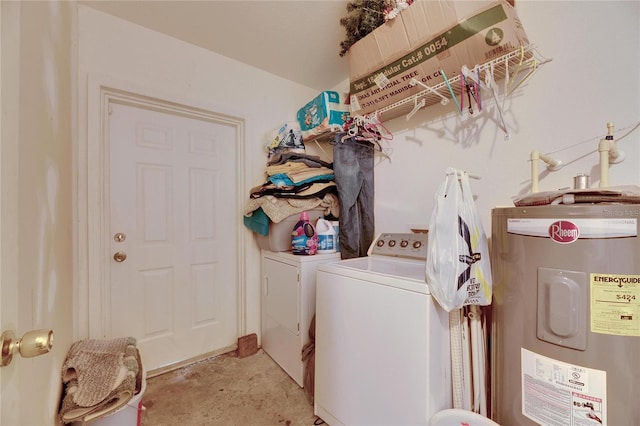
x: 120, y: 256
x: 33, y: 343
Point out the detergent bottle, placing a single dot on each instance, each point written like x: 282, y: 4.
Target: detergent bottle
x: 304, y: 240
x: 326, y: 236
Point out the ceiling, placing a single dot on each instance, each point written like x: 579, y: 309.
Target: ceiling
x: 298, y: 40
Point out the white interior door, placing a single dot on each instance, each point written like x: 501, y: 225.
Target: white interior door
x: 172, y: 213
x: 10, y: 386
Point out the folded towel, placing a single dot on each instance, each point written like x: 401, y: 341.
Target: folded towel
x: 285, y: 168
x: 278, y: 209
x: 257, y: 221
x: 126, y: 384
x: 97, y: 366
x: 309, y: 160
x: 71, y: 412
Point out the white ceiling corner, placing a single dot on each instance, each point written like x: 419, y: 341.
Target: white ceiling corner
x: 298, y: 40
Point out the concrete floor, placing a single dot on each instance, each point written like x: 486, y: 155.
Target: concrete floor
x: 226, y: 390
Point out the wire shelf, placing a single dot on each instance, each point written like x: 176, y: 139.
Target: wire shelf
x: 518, y: 64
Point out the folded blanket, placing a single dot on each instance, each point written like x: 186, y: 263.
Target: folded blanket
x: 283, y: 180
x: 96, y: 364
x: 300, y: 176
x: 269, y: 188
x: 316, y: 190
x: 285, y: 168
x: 278, y: 209
x: 117, y: 398
x: 257, y: 221
x: 85, y: 399
x: 290, y: 156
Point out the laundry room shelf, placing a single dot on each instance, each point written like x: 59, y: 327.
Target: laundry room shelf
x: 517, y: 66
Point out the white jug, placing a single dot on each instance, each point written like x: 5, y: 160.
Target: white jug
x: 326, y: 236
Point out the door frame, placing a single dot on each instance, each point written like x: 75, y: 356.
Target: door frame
x: 92, y: 225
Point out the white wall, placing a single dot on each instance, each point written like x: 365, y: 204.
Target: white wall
x: 591, y: 80
x: 173, y: 70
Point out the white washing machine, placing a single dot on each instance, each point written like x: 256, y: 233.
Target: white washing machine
x: 382, y: 342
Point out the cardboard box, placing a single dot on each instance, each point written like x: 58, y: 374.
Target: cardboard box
x: 322, y: 114
x: 425, y: 38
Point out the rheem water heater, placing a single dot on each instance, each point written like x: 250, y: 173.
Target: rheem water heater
x: 565, y: 339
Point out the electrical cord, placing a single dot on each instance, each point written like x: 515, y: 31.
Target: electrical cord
x: 597, y: 138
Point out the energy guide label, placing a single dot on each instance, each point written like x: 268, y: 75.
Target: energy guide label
x: 615, y: 304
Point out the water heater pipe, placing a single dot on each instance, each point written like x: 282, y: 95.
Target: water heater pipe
x: 552, y: 166
x: 609, y: 154
x: 535, y: 156
x: 615, y: 155
x: 603, y: 149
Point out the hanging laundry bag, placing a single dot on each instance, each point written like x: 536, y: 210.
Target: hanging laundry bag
x: 458, y: 270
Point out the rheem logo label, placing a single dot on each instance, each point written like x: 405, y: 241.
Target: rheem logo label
x: 564, y: 232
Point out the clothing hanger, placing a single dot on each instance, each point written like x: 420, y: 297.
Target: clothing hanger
x: 474, y: 76
x: 366, y: 128
x: 470, y: 95
x: 462, y: 90
x: 416, y: 107
x: 470, y: 87
x: 374, y: 124
x: 443, y: 99
x: 350, y: 132
x: 460, y: 173
x: 506, y: 76
x: 491, y: 84
x: 478, y: 88
x: 510, y: 80
x: 534, y: 65
x: 374, y: 144
x: 453, y: 95
x: 515, y: 74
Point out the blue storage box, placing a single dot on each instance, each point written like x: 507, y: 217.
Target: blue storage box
x: 327, y: 112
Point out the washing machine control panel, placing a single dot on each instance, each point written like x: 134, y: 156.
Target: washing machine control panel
x: 409, y: 245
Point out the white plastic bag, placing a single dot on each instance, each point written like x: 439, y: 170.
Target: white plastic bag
x: 458, y: 269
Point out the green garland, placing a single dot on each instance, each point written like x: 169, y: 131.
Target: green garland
x: 365, y: 16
